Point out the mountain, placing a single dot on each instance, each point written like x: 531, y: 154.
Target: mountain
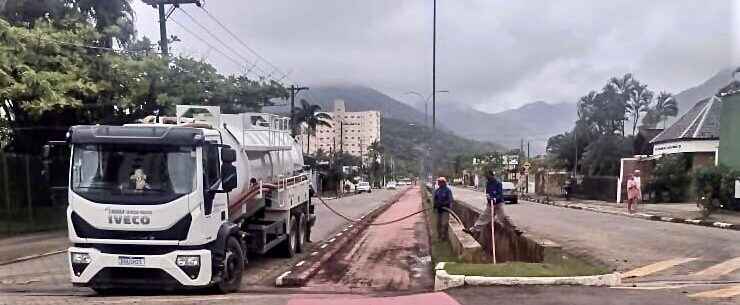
x: 689, y: 97
x: 535, y: 123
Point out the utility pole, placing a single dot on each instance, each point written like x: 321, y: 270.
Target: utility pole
x: 434, y: 67
x: 293, y: 92
x: 164, y: 15
x: 575, y: 144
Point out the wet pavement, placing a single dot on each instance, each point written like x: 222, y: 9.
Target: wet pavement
x: 393, y: 257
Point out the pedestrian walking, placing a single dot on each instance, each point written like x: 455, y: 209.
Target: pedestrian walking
x: 633, y: 193
x: 442, y: 199
x: 494, y: 204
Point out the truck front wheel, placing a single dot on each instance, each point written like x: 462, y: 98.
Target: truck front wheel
x: 233, y: 267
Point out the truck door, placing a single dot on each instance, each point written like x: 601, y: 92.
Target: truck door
x: 214, y: 203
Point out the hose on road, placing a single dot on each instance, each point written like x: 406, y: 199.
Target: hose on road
x: 386, y: 222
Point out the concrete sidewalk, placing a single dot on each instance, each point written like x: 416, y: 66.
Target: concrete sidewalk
x: 671, y: 212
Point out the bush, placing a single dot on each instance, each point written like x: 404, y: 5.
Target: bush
x: 670, y: 178
x: 715, y: 186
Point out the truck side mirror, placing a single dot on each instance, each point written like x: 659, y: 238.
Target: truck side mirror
x: 228, y: 177
x: 228, y: 155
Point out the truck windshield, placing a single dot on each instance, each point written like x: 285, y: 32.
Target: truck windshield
x: 132, y: 174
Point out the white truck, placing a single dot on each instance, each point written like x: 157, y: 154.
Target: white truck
x: 182, y: 204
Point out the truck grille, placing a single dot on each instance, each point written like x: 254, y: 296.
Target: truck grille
x: 177, y: 232
x: 132, y: 278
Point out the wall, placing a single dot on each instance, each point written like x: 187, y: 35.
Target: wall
x: 729, y: 145
x: 511, y: 243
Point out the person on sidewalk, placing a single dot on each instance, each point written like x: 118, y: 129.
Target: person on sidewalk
x: 495, y: 205
x: 633, y: 193
x: 442, y: 199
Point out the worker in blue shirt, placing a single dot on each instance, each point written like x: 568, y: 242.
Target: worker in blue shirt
x: 494, y: 203
x: 442, y: 199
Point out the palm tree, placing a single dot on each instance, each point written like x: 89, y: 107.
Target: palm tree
x: 114, y: 19
x: 665, y: 106
x: 311, y: 117
x: 640, y: 98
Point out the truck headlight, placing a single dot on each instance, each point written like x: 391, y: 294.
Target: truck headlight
x: 81, y: 258
x: 187, y: 260
x: 190, y: 264
x: 80, y: 261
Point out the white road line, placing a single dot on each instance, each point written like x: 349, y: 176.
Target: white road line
x: 315, y: 253
x: 657, y: 267
x: 719, y: 293
x: 279, y: 279
x: 300, y: 263
x: 694, y: 221
x: 721, y: 269
x: 338, y: 234
x: 331, y: 240
x: 323, y: 246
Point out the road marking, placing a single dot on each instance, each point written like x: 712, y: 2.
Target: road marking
x: 315, y: 253
x: 721, y: 269
x: 338, y: 234
x: 300, y: 263
x: 323, y: 246
x: 719, y: 293
x: 666, y: 218
x: 345, y: 229
x: 657, y: 267
x: 693, y: 221
x: 722, y: 224
x: 349, y: 226
x: 279, y: 279
x: 331, y: 240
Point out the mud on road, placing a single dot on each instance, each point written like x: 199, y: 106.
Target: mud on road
x: 394, y: 257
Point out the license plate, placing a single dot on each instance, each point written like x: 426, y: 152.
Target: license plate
x: 130, y: 261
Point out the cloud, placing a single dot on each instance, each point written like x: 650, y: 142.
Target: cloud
x: 492, y: 54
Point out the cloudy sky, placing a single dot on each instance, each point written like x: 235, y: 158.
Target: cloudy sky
x: 492, y: 54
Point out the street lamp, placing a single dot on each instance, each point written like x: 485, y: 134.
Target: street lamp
x: 426, y: 102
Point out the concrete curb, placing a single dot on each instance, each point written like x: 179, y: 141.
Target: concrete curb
x: 444, y: 280
x: 30, y: 257
x: 305, y: 269
x: 696, y: 222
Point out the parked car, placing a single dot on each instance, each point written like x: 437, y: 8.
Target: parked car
x: 510, y: 193
x: 391, y: 185
x: 363, y: 186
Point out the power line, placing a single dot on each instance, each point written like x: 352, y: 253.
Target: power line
x: 205, y: 42
x: 242, y: 42
x: 215, y: 37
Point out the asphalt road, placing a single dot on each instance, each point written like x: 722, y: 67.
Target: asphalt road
x: 49, y: 275
x: 677, y: 257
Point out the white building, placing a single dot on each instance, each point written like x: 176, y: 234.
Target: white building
x: 351, y: 132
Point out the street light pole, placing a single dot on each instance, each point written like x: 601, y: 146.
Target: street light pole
x: 434, y: 67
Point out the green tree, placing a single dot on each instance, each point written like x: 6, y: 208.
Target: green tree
x: 665, y: 107
x: 311, y: 117
x: 113, y: 19
x: 640, y: 98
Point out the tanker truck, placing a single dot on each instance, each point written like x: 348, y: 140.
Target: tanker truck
x: 183, y: 203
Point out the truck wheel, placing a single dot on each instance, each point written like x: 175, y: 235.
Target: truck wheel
x: 301, y: 233
x: 287, y: 248
x: 234, y: 266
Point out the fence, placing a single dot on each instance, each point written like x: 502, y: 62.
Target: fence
x: 587, y: 187
x: 29, y: 204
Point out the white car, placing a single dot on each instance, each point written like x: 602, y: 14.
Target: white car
x: 391, y: 185
x: 363, y: 186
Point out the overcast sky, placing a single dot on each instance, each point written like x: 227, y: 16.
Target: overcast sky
x: 491, y: 54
